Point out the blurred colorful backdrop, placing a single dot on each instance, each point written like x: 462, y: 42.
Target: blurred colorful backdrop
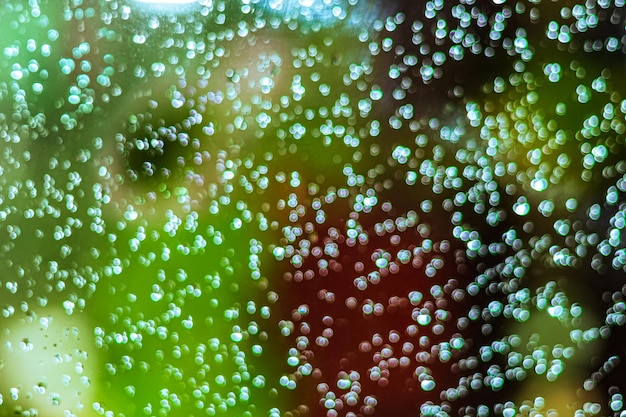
x: 322, y: 208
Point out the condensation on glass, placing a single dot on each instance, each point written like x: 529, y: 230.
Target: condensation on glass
x: 312, y: 208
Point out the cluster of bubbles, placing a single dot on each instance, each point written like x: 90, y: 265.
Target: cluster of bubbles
x: 312, y: 208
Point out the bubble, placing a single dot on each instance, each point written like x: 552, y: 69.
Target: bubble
x: 427, y: 385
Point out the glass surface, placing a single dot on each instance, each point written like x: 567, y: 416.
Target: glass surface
x: 312, y: 208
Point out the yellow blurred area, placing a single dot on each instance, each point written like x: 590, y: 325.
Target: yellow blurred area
x: 49, y: 362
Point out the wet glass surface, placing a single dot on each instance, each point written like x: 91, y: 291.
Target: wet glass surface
x: 312, y: 208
